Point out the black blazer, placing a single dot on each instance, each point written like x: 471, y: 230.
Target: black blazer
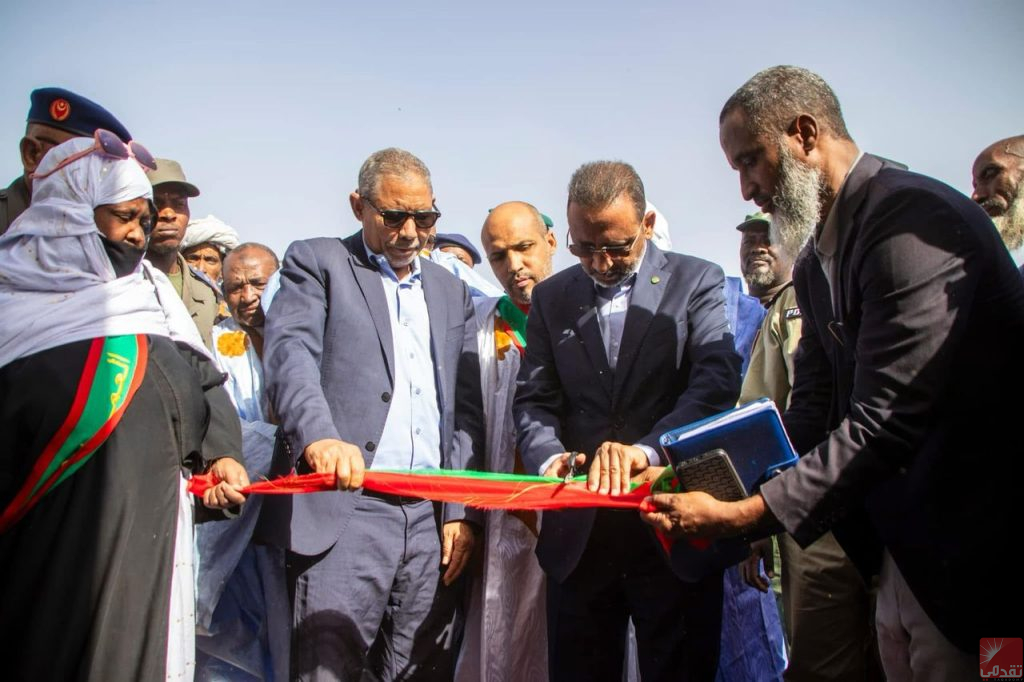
x: 676, y: 365
x: 905, y: 399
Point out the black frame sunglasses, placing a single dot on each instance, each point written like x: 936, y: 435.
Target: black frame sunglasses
x: 614, y: 251
x: 394, y: 219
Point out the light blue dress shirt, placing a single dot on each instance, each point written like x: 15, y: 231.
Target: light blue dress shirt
x: 612, y: 306
x: 412, y: 430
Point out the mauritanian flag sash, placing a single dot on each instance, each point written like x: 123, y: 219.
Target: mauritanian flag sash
x: 515, y: 322
x: 113, y: 371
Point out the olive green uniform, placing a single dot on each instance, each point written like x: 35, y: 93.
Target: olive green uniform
x: 200, y: 299
x: 826, y: 607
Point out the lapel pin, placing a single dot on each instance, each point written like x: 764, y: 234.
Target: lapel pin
x: 655, y: 279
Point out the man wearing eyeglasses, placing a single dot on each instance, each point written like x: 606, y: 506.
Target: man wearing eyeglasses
x: 370, y: 361
x: 56, y: 115
x: 630, y: 343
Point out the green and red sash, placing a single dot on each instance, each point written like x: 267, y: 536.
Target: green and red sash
x: 515, y: 322
x: 113, y: 371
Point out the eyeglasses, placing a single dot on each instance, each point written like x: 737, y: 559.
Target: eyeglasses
x: 108, y: 144
x: 394, y: 219
x: 612, y: 251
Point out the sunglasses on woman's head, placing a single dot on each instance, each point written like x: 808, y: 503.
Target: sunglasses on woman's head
x: 108, y: 144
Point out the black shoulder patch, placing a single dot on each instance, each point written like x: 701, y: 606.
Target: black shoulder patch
x: 791, y: 313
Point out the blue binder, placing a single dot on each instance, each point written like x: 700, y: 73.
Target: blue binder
x: 752, y: 436
x: 758, y: 447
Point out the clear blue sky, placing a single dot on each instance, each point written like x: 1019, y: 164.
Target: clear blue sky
x: 271, y: 109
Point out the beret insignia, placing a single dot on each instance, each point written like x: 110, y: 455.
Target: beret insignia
x: 60, y: 109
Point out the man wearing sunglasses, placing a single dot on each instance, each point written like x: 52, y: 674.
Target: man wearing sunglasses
x: 621, y: 348
x: 56, y: 115
x: 370, y: 361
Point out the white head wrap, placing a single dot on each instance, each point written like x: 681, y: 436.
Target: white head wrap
x: 661, y: 237
x: 56, y: 282
x: 210, y: 229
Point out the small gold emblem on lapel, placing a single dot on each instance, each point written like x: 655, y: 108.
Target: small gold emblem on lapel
x: 655, y: 279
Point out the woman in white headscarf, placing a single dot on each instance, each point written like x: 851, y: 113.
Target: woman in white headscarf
x: 107, y: 400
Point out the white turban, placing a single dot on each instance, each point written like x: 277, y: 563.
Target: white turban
x: 57, y: 285
x: 210, y: 229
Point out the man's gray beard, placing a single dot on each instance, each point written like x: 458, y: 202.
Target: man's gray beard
x: 796, y: 205
x: 761, y: 279
x: 1011, y: 223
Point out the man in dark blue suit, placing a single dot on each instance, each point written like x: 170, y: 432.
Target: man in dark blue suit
x: 913, y: 312
x: 630, y: 343
x: 370, y: 357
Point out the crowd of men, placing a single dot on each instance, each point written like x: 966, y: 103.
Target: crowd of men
x: 882, y: 305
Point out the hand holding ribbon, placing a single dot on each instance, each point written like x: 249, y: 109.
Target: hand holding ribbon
x: 483, y: 490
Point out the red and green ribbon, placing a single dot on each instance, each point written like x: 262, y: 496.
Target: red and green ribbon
x: 114, y: 368
x: 480, y: 489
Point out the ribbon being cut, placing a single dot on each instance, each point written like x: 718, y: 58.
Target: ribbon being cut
x: 489, y: 490
x: 480, y: 489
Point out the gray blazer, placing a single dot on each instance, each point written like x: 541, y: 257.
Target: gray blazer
x: 676, y: 365
x: 329, y: 364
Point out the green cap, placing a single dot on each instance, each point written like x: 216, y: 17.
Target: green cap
x: 758, y: 220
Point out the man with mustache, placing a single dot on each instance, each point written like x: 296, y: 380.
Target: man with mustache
x: 171, y: 192
x: 911, y: 304
x: 766, y: 268
x: 520, y: 248
x: 998, y: 179
x: 370, y: 358
x: 206, y: 244
x: 628, y: 344
x: 506, y: 633
x: 825, y: 604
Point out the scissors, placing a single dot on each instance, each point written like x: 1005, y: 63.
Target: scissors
x: 574, y: 469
